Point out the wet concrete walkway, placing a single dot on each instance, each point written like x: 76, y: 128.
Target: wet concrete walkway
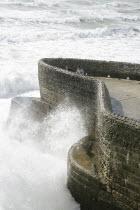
x: 125, y: 96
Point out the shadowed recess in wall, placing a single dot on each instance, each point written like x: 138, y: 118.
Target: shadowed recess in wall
x: 117, y: 106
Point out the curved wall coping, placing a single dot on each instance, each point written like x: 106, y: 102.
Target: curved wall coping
x: 99, y: 67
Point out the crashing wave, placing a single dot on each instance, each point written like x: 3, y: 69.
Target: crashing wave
x: 106, y: 32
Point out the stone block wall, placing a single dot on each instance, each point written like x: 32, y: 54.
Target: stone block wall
x: 103, y: 173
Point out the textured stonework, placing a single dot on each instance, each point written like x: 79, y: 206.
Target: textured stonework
x: 104, y: 167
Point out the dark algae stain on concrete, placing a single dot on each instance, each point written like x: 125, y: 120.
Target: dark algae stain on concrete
x: 103, y: 167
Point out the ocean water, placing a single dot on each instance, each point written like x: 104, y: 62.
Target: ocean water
x: 33, y: 171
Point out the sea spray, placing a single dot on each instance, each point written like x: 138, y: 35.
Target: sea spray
x: 33, y: 171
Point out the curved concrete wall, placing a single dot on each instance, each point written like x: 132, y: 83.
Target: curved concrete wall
x: 103, y: 168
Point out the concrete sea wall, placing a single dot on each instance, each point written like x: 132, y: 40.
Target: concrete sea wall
x: 104, y: 167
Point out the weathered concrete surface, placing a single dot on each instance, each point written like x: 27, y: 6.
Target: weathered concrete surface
x: 125, y: 96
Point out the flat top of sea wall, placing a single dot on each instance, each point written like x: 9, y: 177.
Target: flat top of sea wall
x: 125, y: 96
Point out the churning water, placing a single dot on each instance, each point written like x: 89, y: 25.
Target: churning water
x: 33, y: 171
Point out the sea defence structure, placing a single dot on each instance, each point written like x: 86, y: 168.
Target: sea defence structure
x: 103, y: 167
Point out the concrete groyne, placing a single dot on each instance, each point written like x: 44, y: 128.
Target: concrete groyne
x: 104, y: 167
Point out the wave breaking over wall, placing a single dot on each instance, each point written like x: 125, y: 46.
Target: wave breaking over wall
x: 103, y: 167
